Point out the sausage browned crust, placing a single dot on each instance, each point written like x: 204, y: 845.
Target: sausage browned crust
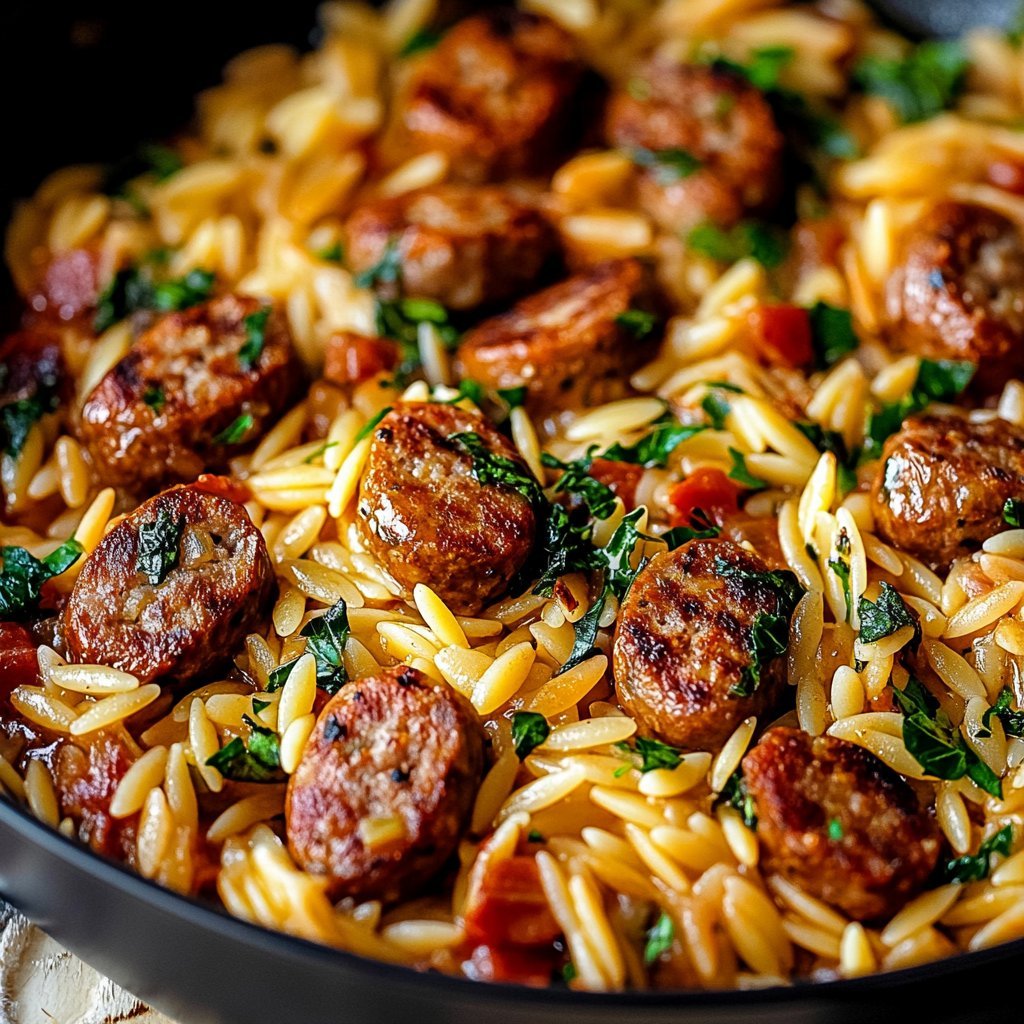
x: 494, y: 95
x: 839, y: 824
x: 683, y: 644
x: 942, y: 483
x: 457, y: 244
x: 192, y: 389
x: 567, y: 344
x: 959, y: 292
x: 215, y: 593
x: 428, y: 519
x: 392, y: 755
x: 713, y: 116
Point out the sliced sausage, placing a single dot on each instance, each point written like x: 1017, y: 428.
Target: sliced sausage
x: 567, y: 344
x: 719, y: 120
x: 217, y: 584
x: 494, y: 95
x: 683, y: 646
x: 428, y: 519
x: 958, y: 292
x: 942, y: 483
x: 838, y: 823
x: 458, y: 244
x: 193, y: 389
x: 385, y: 785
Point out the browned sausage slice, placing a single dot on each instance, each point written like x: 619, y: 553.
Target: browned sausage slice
x: 426, y: 517
x: 385, y: 785
x: 569, y: 344
x: 838, y: 823
x: 494, y: 95
x: 684, y: 649
x: 192, y: 389
x: 959, y: 292
x: 720, y: 121
x: 171, y: 590
x: 459, y: 245
x: 942, y: 483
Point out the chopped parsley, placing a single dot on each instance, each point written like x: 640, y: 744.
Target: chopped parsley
x: 741, y: 474
x: 936, y: 745
x: 735, y: 794
x: 666, y: 165
x: 234, y: 432
x: 23, y: 575
x: 638, y: 322
x: 259, y: 762
x: 155, y: 398
x: 882, y: 618
x: 1013, y: 512
x: 159, y: 546
x: 654, y: 449
x: 924, y: 83
x: 976, y: 867
x: 529, y: 730
x: 326, y: 637
x: 660, y: 937
x: 255, y: 337
x: 134, y: 288
x: 759, y: 241
x: 832, y: 334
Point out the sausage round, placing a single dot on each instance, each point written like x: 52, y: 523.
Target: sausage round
x: 494, y: 95
x: 567, y: 344
x: 715, y: 117
x: 942, y: 482
x: 172, y: 407
x: 958, y: 292
x: 427, y: 519
x: 459, y: 245
x: 683, y: 644
x: 183, y: 627
x: 391, y: 756
x: 838, y: 823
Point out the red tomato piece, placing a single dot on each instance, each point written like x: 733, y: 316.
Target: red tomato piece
x: 18, y: 665
x: 621, y: 478
x: 782, y: 335
x: 352, y: 358
x: 707, y: 489
x: 509, y: 907
x: 513, y: 965
x: 223, y: 487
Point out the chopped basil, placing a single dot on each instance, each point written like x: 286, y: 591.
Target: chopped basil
x: 666, y: 165
x: 419, y: 42
x: 259, y: 706
x: 326, y: 637
x: 387, y: 270
x: 660, y: 937
x: 924, y: 83
x: 832, y: 334
x: 653, y: 754
x: 496, y: 470
x: 529, y: 730
x: 133, y: 288
x: 638, y: 322
x: 935, y: 744
x: 566, y: 546
x: 1013, y: 721
x: 701, y: 528
x: 736, y: 794
x: 716, y: 408
x: 577, y: 481
x: 255, y: 337
x: 159, y: 546
x: 235, y: 431
x: 760, y: 241
x: 841, y: 568
x: 769, y: 638
x: 585, y: 636
x: 832, y: 441
x: 469, y: 389
x: 654, y: 449
x: 17, y: 418
x: 976, y: 867
x: 513, y: 397
x: 741, y: 474
x: 331, y: 253
x: 763, y: 68
x: 885, y: 616
x: 400, y: 321
x: 279, y: 676
x: 1013, y: 512
x: 23, y: 575
x: 155, y: 398
x: 259, y: 762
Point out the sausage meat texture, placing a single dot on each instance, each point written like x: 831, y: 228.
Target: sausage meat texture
x: 385, y: 785
x: 684, y: 653
x: 494, y: 96
x: 942, y: 482
x: 459, y: 245
x: 427, y: 518
x: 193, y: 388
x: 835, y: 821
x: 958, y: 292
x: 570, y: 345
x: 722, y: 124
x: 217, y: 585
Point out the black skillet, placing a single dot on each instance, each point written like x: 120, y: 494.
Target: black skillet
x: 83, y: 82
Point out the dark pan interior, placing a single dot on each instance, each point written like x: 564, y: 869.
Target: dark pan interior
x: 85, y: 81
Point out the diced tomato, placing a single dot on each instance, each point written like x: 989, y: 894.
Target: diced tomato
x: 509, y: 908
x: 1007, y: 175
x: 70, y: 285
x: 782, y: 335
x: 622, y: 478
x: 352, y: 358
x: 18, y: 665
x: 223, y: 487
x: 513, y: 965
x: 707, y: 489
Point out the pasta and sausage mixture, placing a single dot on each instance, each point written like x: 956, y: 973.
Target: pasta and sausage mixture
x: 540, y: 497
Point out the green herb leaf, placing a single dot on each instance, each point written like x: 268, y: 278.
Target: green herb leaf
x: 749, y: 238
x: 585, y: 635
x: 835, y: 830
x: 259, y: 762
x: 421, y: 41
x: 666, y: 165
x: 716, y: 408
x: 702, y: 529
x: 331, y: 253
x: 529, y: 730
x: 279, y: 676
x: 976, y: 867
x: 1013, y: 721
x: 533, y: 836
x: 832, y: 441
x: 660, y: 937
x: 1013, y: 512
x: 23, y: 575
x: 924, y: 83
x: 655, y: 449
x: 159, y: 162
x: 735, y: 794
x: 387, y: 270
x: 255, y: 337
x: 741, y: 474
x: 468, y: 389
x: 234, y: 432
x: 832, y: 334
x: 17, y: 419
x: 842, y: 569
x: 654, y: 755
x: 155, y: 398
x: 133, y: 288
x: 638, y: 322
x: 496, y: 470
x: 513, y: 397
x: 885, y: 616
x: 577, y: 481
x: 400, y: 320
x: 259, y: 706
x: 159, y: 546
x: 764, y: 67
x: 326, y: 637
